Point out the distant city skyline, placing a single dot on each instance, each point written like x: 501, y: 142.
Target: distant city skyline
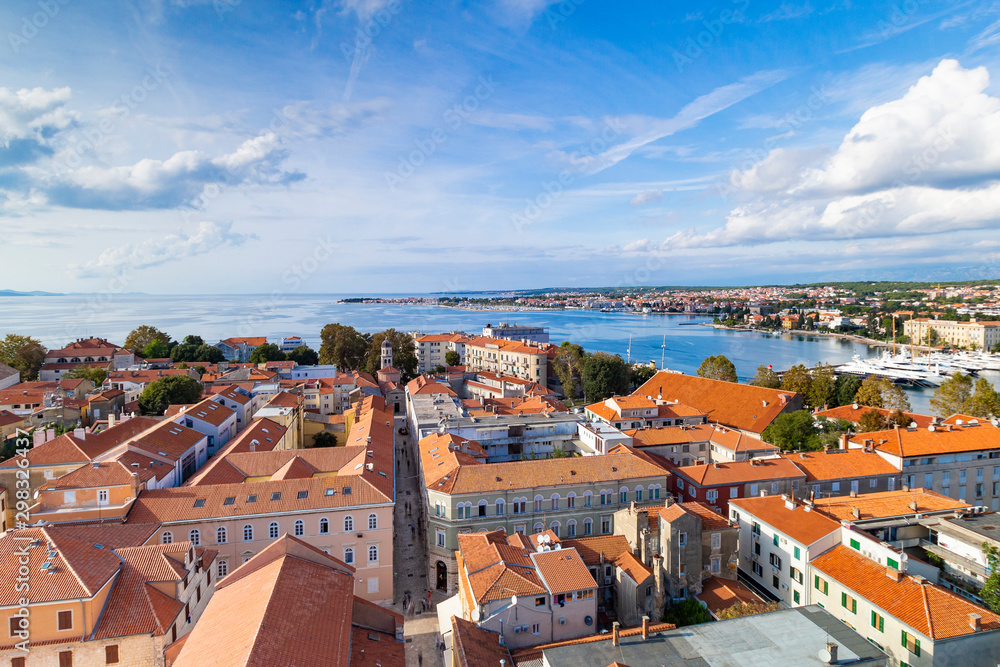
x: 388, y: 147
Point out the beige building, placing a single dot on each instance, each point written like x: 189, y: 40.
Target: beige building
x: 525, y: 360
x: 95, y: 595
x: 982, y: 335
x: 432, y: 349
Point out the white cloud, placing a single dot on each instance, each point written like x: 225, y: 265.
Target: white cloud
x: 926, y: 163
x: 29, y: 120
x: 786, y: 12
x: 647, y: 130
x: 177, y: 181
x: 647, y: 197
x: 524, y: 11
x: 210, y: 236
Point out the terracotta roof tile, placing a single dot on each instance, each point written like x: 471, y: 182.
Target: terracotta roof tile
x: 942, y: 440
x: 720, y: 594
x: 740, y: 472
x: 633, y: 567
x: 591, y: 548
x: 802, y: 526
x: 885, y: 504
x: 929, y: 609
x: 563, y: 571
x: 841, y: 464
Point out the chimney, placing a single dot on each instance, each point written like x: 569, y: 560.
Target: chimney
x: 645, y: 625
x: 614, y: 634
x: 669, y: 500
x: 893, y: 574
x: 659, y: 594
x: 831, y: 648
x: 913, y: 505
x: 854, y: 494
x: 111, y: 420
x: 975, y: 622
x: 856, y: 513
x: 135, y: 485
x: 843, y: 441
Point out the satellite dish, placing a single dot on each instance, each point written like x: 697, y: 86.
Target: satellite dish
x: 854, y: 406
x: 824, y: 656
x: 513, y: 600
x: 476, y: 615
x: 995, y: 422
x: 931, y: 428
x: 548, y: 538
x: 541, y: 539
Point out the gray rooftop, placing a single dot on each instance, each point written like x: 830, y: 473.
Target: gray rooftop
x: 987, y: 525
x: 785, y: 637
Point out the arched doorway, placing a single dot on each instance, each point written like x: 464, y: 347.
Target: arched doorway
x: 442, y: 576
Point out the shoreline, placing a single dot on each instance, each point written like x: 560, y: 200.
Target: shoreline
x: 870, y: 342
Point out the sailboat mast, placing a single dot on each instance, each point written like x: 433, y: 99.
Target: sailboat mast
x: 663, y: 351
x: 629, y: 350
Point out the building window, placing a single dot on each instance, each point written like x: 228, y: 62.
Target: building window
x: 795, y: 597
x: 753, y: 490
x: 537, y: 528
x: 797, y: 553
x: 64, y: 620
x: 682, y: 570
x: 65, y: 659
x: 536, y: 628
x: 111, y: 654
x: 300, y: 528
x: 538, y: 503
x: 349, y: 556
x: 911, y: 643
x: 774, y: 581
x: 571, y: 529
x: 588, y: 527
x: 373, y: 554
x: 682, y: 539
x: 638, y: 494
x: 587, y: 495
x: 440, y: 538
x: 822, y: 585
x: 222, y: 569
x: 373, y: 520
x: 623, y: 495
x: 716, y: 565
x: 272, y: 530
x: 878, y: 622
x: 606, y: 525
x: 711, y: 495
x: 348, y: 524
x: 324, y: 526
x: 248, y: 533
x: 221, y: 535
x: 500, y: 507
x: 195, y: 537
x: 571, y: 501
x: 167, y: 537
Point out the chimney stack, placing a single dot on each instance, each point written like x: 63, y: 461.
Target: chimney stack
x: 831, y: 648
x: 645, y: 625
x: 614, y: 634
x: 856, y: 512
x: 975, y: 622
x: 913, y: 505
x: 893, y: 574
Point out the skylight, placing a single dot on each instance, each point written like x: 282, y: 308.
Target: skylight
x: 252, y: 498
x: 276, y: 495
x: 200, y: 502
x: 230, y: 500
x: 303, y: 494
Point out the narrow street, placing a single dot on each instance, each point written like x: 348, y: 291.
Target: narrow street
x: 410, y: 559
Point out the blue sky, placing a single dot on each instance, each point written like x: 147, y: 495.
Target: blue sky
x: 224, y: 146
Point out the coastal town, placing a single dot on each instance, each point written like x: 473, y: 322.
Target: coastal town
x: 484, y: 498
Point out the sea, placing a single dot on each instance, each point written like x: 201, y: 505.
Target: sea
x: 678, y: 341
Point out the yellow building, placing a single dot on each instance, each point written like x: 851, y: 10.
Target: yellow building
x: 525, y: 360
x: 981, y: 335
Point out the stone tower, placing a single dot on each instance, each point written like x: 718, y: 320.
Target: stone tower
x: 386, y: 353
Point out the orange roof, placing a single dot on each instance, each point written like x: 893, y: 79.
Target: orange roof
x: 424, y: 384
x: 453, y: 472
x: 948, y: 439
x: 591, y: 548
x: 494, y: 569
x: 805, y: 527
x: 474, y: 646
x: 505, y: 345
x: 853, y: 413
x: 886, y: 504
x: 670, y: 435
x: 740, y: 406
x: 208, y: 411
x: 720, y: 594
x: 739, y: 472
x: 633, y: 567
x: 288, y: 605
x: 710, y: 519
x: 929, y: 609
x: 841, y: 464
x: 563, y: 571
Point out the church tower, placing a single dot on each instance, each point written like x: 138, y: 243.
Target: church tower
x: 386, y: 353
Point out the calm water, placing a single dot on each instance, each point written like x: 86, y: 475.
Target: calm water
x: 58, y: 320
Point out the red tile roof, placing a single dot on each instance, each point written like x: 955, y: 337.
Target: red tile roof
x: 805, y: 527
x: 931, y: 610
x: 739, y: 472
x: 886, y: 504
x: 737, y: 405
x: 942, y: 440
x: 853, y: 413
x: 841, y: 464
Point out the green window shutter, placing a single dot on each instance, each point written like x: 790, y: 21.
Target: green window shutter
x: 795, y: 596
x: 916, y: 647
x: 855, y: 544
x: 843, y: 600
x: 904, y: 638
x: 892, y: 563
x: 854, y: 606
x: 797, y: 553
x: 816, y: 581
x: 775, y: 539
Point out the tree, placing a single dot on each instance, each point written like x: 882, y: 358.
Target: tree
x: 822, y: 389
x: 871, y: 420
x: 793, y: 430
x: 342, y: 345
x: 171, y: 390
x: 303, y: 355
x: 798, y: 379
x: 898, y: 418
x: 717, y: 367
x: 991, y: 589
x: 452, y: 358
x: 266, y: 352
x: 686, y: 612
x: 193, y: 340
x: 953, y: 396
x: 404, y: 353
x: 642, y: 374
x: 879, y: 392
x: 22, y: 353
x: 439, y: 370
x: 208, y: 353
x: 183, y: 352
x: 568, y: 367
x: 155, y: 349
x: 95, y: 375
x: 765, y: 377
x: 325, y: 439
x: 846, y: 388
x: 604, y: 375
x: 142, y: 336
x: 739, y: 610
x: 985, y: 402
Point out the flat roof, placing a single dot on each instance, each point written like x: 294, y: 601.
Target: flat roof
x: 784, y: 637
